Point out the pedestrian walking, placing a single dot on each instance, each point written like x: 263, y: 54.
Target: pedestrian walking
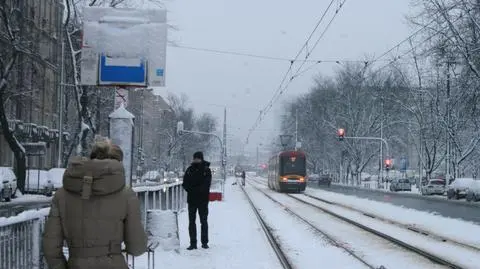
x: 94, y: 213
x: 196, y: 182
x: 243, y: 178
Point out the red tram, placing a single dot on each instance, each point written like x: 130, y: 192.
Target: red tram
x: 287, y: 172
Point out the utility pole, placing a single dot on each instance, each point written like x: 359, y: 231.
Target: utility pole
x: 296, y: 129
x: 381, y: 146
x: 224, y: 157
x: 447, y: 135
x: 60, y: 108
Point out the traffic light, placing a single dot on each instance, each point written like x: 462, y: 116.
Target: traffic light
x: 341, y: 134
x: 388, y: 164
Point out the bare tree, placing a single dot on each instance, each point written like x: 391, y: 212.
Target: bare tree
x: 14, y: 46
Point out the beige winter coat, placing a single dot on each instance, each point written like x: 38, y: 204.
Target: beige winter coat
x: 93, y: 213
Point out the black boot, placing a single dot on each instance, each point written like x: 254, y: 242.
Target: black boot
x: 205, y: 246
x: 192, y: 247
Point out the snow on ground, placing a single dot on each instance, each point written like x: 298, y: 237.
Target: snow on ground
x: 236, y: 239
x: 372, y: 185
x: 465, y: 257
x: 24, y: 216
x: 27, y: 198
x: 304, y: 247
x: 373, y: 249
x: 459, y: 230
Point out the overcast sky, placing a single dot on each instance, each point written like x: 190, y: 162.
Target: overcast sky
x: 275, y: 28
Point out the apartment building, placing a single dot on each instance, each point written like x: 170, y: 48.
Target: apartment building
x: 32, y: 108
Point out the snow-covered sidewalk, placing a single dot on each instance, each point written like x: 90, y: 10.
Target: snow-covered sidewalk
x: 236, y: 239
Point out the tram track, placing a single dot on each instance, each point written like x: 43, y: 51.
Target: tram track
x: 430, y: 255
x: 418, y: 230
x: 276, y: 246
x: 329, y: 238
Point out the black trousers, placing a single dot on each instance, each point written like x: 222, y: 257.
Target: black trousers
x: 192, y: 226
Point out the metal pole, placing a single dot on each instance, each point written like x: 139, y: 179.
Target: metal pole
x: 296, y: 129
x: 224, y: 159
x: 381, y: 153
x: 60, y: 108
x: 447, y: 142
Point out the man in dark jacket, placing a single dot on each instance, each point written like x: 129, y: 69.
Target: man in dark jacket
x: 196, y: 182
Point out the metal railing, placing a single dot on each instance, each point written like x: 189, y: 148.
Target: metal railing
x: 20, y: 235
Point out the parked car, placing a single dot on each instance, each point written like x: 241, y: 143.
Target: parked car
x: 5, y: 191
x: 313, y: 178
x: 56, y: 175
x: 401, y: 184
x: 433, y: 186
x: 171, y: 177
x: 473, y: 192
x: 153, y: 177
x: 39, y: 182
x: 7, y: 175
x: 459, y: 187
x: 324, y: 180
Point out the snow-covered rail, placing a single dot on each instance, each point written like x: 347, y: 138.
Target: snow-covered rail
x: 312, y: 226
x: 436, y: 256
x: 424, y: 232
x: 271, y: 238
x: 442, y: 252
x: 20, y: 240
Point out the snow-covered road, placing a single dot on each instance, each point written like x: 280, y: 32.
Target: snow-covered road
x: 372, y: 249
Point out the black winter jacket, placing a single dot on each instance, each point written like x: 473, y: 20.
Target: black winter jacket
x: 196, y: 182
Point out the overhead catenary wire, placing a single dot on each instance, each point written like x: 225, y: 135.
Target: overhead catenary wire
x: 264, y: 57
x: 367, y: 63
x: 283, y: 87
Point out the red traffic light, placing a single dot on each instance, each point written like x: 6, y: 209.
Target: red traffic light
x: 341, y: 134
x: 388, y: 163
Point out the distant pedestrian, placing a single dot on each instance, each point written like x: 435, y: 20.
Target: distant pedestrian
x: 243, y: 178
x: 196, y: 182
x: 94, y: 213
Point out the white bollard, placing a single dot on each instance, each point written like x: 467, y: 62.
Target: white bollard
x: 121, y: 134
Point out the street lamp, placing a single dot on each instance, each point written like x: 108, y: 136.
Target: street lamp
x: 181, y: 130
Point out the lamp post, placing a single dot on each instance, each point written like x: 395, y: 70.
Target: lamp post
x: 341, y: 137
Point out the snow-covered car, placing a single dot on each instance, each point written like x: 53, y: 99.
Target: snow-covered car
x: 56, y: 176
x: 8, y: 176
x: 459, y: 187
x: 171, y: 177
x: 434, y: 186
x: 313, y: 178
x: 473, y: 192
x: 324, y: 180
x: 401, y: 184
x: 39, y: 182
x: 153, y: 176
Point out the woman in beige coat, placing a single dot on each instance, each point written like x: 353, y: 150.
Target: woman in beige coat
x: 94, y: 213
